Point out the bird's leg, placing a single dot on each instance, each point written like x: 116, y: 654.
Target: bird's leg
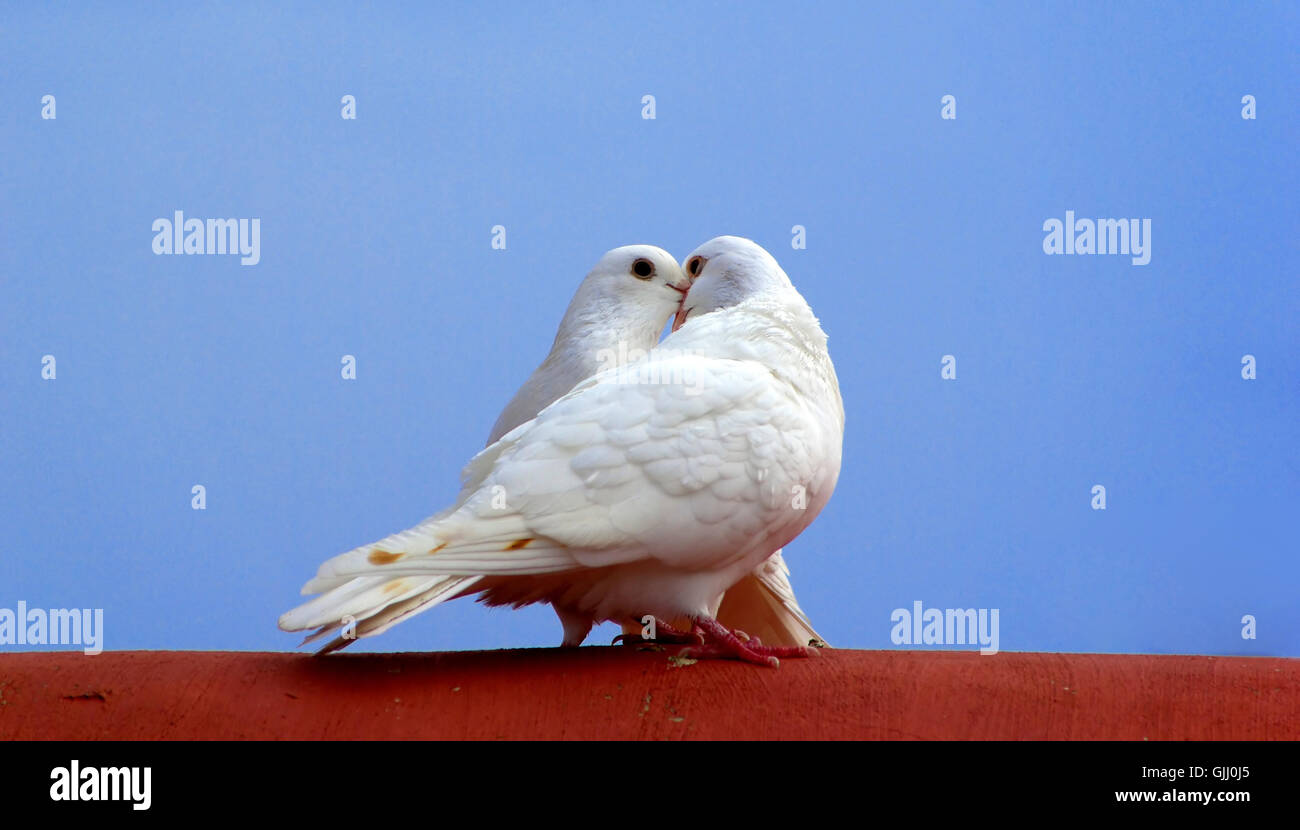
x: 720, y: 642
x: 669, y: 634
x: 663, y: 633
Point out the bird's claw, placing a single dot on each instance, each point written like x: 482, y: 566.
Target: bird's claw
x: 721, y: 643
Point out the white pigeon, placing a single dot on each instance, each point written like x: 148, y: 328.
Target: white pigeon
x: 615, y: 316
x: 762, y: 604
x: 646, y: 489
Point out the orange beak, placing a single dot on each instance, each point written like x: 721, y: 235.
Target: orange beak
x: 682, y: 311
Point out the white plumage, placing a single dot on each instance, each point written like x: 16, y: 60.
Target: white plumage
x: 615, y: 316
x: 646, y: 489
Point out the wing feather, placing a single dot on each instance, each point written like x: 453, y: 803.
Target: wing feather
x: 693, y: 474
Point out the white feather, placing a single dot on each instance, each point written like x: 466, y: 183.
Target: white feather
x: 629, y: 496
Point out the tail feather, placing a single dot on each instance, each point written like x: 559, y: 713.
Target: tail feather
x: 350, y: 598
x: 368, y: 589
x: 513, y: 554
x: 366, y: 606
x: 438, y: 591
x: 763, y: 605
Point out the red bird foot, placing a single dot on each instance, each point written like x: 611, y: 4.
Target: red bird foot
x: 719, y: 642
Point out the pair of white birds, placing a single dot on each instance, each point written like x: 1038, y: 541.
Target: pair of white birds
x: 665, y: 487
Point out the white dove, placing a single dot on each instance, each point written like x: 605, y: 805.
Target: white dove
x: 616, y: 315
x: 647, y: 489
x: 762, y: 604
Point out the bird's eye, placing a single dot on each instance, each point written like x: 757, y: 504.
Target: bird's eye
x: 695, y: 266
x: 643, y: 269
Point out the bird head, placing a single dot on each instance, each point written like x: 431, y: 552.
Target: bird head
x: 725, y: 271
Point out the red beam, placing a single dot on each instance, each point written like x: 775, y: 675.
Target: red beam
x: 624, y: 693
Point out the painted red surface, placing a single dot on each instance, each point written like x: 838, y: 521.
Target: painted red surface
x: 624, y: 693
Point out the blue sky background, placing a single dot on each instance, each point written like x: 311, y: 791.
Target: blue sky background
x: 924, y: 238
